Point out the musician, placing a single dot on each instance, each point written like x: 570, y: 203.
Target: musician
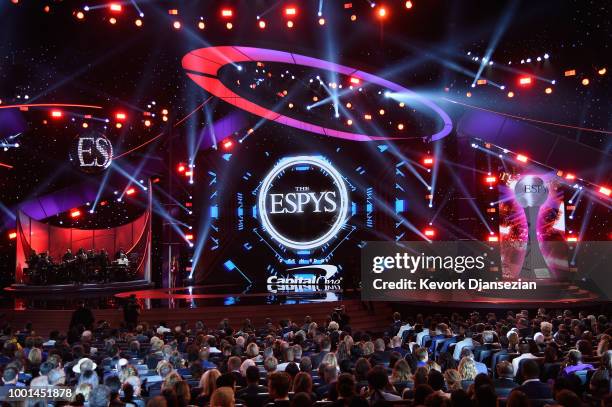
x: 104, y: 263
x: 121, y: 258
x: 81, y: 269
x: 68, y: 256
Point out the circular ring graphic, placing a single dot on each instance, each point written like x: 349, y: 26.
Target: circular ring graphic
x: 203, y: 65
x: 342, y: 213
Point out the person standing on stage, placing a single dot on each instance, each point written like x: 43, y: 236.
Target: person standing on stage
x: 104, y: 263
x: 81, y: 268
x: 131, y: 312
x: 82, y: 316
x: 68, y: 256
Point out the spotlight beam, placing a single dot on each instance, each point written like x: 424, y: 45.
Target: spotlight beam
x: 502, y: 25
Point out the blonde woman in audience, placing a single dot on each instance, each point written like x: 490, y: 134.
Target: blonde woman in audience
x: 467, y: 368
x: 401, y: 376
x: 127, y: 371
x: 208, y: 384
x: 513, y: 341
x: 368, y: 348
x: 171, y: 380
x: 252, y: 352
x: 35, y: 357
x: 330, y: 360
x: 453, y: 380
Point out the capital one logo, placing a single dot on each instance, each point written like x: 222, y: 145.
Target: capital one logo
x: 92, y: 152
x: 303, y: 202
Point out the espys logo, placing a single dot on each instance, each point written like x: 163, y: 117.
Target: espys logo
x: 306, y: 279
x: 303, y: 202
x: 91, y: 153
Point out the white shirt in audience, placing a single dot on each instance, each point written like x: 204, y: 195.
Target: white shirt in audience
x: 420, y: 335
x: 517, y: 360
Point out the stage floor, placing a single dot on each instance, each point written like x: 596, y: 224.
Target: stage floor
x: 112, y: 296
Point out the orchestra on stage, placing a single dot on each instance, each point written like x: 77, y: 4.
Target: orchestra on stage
x: 84, y: 267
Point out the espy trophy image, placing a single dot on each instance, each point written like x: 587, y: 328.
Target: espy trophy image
x: 531, y: 192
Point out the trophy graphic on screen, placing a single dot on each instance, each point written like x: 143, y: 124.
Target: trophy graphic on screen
x: 531, y: 192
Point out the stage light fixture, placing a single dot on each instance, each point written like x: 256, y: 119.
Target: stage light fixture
x: 147, y: 123
x: 428, y: 161
x: 189, y: 236
x: 493, y: 238
x: 469, y: 94
x: 130, y: 191
x: 201, y: 25
x: 606, y: 191
x: 349, y: 105
x: 118, y: 125
x: 570, y: 72
x: 510, y: 94
x: 177, y: 25
x: 85, y: 125
x: 354, y: 80
x: 173, y: 12
x: 522, y: 158
x: 481, y: 82
x: 382, y: 12
x: 112, y: 20
x: 227, y: 13
x: 381, y: 112
x: 180, y: 168
x: 400, y: 126
x: 120, y: 116
x: 80, y: 15
x: 409, y: 4
x: 75, y: 213
x: 12, y: 235
x: 290, y: 11
x: 525, y: 80
x: 586, y: 81
x: 570, y: 176
x: 321, y: 21
x: 367, y: 117
x: 602, y: 71
x: 349, y: 122
x: 188, y: 173
x: 115, y: 7
x: 290, y: 24
x: 548, y: 91
x: 56, y: 114
x: 262, y: 24
x: 138, y: 22
x: 572, y: 239
x: 490, y: 179
x: 429, y: 232
x: 353, y: 17
x: 227, y: 144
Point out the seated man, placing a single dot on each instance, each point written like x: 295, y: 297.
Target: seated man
x: 532, y: 386
x: 249, y: 393
x: 527, y: 350
x: 505, y: 382
x: 278, y: 388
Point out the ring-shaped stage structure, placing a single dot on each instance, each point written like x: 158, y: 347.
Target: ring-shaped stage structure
x: 341, y: 219
x: 203, y: 66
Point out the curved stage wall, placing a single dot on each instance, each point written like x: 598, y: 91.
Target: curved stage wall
x: 133, y: 237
